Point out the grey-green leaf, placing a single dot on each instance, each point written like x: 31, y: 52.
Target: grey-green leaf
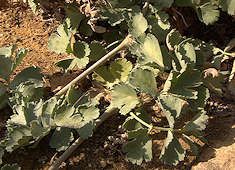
x: 61, y: 138
x: 172, y: 107
x: 124, y: 98
x: 140, y: 148
x: 59, y: 42
x: 172, y: 151
x: 151, y: 51
x: 144, y: 81
x: 138, y: 25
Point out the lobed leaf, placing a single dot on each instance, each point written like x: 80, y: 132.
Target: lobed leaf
x: 61, y: 139
x: 172, y: 151
x: 139, y: 148
x: 59, y: 42
x: 172, y: 107
x: 151, y: 51
x: 144, y: 81
x: 124, y: 98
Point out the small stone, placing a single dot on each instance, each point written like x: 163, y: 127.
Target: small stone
x: 103, y: 164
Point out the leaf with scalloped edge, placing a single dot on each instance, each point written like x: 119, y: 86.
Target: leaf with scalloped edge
x: 144, y: 81
x: 124, y: 98
x: 61, y: 138
x: 34, y: 5
x: 74, y: 18
x: 183, y: 84
x: 173, y: 107
x: 5, y: 64
x: 59, y: 42
x: 3, y: 95
x: 151, y: 52
x: 228, y: 5
x: 120, y: 69
x: 139, y: 148
x: 65, y: 117
x: 208, y: 13
x: 20, y: 54
x: 172, y: 151
x: 11, y: 167
x: 138, y: 25
x: 1, y: 154
x: 116, y: 72
x: 186, y: 55
x: 198, y: 122
x: 97, y: 51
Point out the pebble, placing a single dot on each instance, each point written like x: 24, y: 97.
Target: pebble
x: 103, y: 164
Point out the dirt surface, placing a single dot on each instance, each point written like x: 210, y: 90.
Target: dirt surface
x: 102, y: 151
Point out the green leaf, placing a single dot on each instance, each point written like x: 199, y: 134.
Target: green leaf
x: 215, y: 84
x: 208, y: 13
x: 1, y: 154
x: 160, y: 25
x: 64, y: 63
x: 173, y: 107
x: 34, y: 5
x: 30, y: 74
x: 73, y: 95
x: 74, y: 18
x: 198, y: 122
x: 103, y: 75
x: 144, y: 81
x: 164, y: 3
x: 17, y: 136
x: 201, y: 101
x: 173, y: 38
x: 20, y: 54
x: 61, y: 139
x: 186, y: 55
x: 37, y: 130
x: 5, y: 64
x: 79, y: 62
x: 97, y: 51
x: 117, y: 72
x: 86, y: 131
x: 183, y: 84
x: 64, y: 117
x: 11, y: 167
x: 228, y: 5
x: 3, y: 95
x: 151, y: 51
x: 59, y: 42
x: 120, y: 69
x: 138, y: 25
x: 140, y: 148
x: 89, y: 113
x: 172, y: 151
x: 124, y: 98
x: 81, y: 49
x: 48, y: 110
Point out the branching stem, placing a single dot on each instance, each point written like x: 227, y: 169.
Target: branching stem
x: 148, y: 125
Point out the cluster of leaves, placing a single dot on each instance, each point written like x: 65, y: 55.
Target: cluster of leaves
x: 157, y: 51
x: 208, y: 11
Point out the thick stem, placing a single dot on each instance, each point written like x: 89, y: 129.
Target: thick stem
x: 126, y: 42
x: 79, y: 141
